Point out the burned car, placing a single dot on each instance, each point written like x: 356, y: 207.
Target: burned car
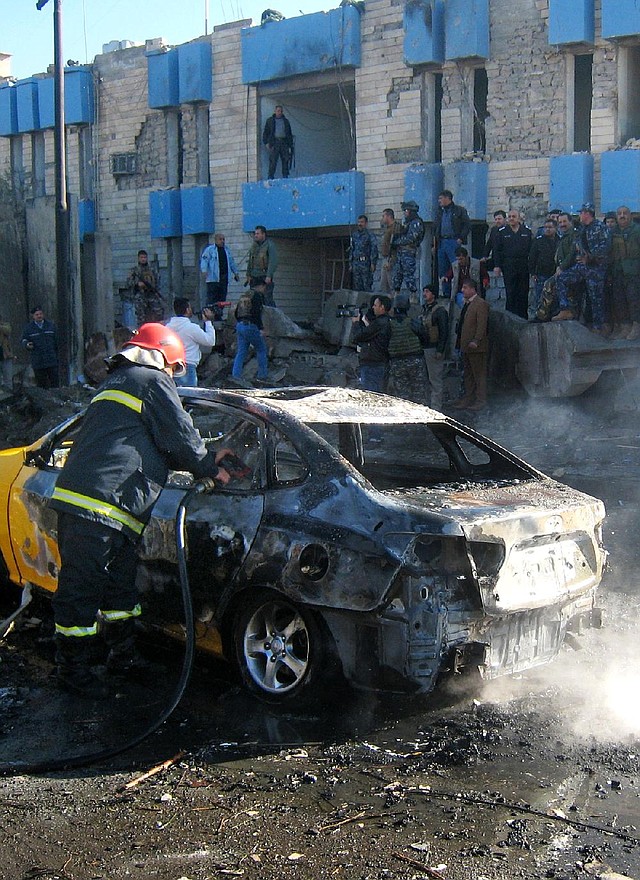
x: 361, y: 534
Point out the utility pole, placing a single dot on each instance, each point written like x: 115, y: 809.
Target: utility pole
x: 62, y: 208
x: 206, y: 17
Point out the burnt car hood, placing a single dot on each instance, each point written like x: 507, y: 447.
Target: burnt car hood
x: 550, y: 534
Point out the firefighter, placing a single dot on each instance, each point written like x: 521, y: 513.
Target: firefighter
x: 135, y: 429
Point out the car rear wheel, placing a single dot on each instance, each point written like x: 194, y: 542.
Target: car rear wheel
x: 280, y: 648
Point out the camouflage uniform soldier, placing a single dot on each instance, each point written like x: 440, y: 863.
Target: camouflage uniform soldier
x: 406, y: 245
x: 593, y: 242
x: 363, y: 255
x: 143, y: 285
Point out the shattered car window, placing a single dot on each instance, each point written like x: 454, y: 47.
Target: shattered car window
x: 223, y: 428
x: 289, y: 466
x: 396, y: 456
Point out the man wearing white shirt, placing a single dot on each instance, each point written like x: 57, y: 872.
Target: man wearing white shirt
x: 196, y: 340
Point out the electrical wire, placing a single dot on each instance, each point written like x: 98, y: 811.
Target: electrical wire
x: 30, y: 768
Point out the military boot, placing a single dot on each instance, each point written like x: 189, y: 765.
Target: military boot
x: 75, y: 670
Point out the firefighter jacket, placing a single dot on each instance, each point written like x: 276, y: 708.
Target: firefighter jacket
x: 133, y: 431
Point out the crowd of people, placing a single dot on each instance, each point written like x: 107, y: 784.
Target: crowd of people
x: 571, y: 268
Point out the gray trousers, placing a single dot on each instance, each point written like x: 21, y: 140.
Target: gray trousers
x: 435, y: 370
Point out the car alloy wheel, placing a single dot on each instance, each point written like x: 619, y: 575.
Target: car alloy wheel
x: 278, y: 646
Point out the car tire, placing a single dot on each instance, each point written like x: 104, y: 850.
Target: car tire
x: 281, y: 649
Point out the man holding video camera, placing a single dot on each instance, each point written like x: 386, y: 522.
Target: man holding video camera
x: 371, y: 333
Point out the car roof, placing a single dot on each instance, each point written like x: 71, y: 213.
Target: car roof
x: 330, y: 405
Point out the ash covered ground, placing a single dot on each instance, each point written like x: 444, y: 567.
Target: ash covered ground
x: 532, y: 777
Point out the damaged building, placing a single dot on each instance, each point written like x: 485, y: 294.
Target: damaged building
x: 515, y: 105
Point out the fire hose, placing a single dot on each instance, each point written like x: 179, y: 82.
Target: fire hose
x: 23, y: 768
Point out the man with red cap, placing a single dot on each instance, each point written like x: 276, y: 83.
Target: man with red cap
x: 135, y: 429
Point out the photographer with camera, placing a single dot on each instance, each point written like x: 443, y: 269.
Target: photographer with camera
x: 196, y: 341
x: 371, y: 333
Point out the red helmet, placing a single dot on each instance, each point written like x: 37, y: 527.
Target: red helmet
x: 162, y: 339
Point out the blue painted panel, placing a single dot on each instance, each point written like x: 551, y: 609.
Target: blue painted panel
x: 27, y: 105
x: 571, y: 21
x: 469, y: 182
x: 620, y: 180
x: 165, y: 213
x: 304, y: 203
x: 162, y: 74
x: 424, y: 32
x: 571, y: 181
x: 309, y: 43
x: 46, y: 102
x: 194, y: 72
x: 620, y: 18
x: 8, y: 111
x: 197, y: 210
x: 86, y: 218
x: 78, y: 96
x: 466, y: 28
x: 423, y: 184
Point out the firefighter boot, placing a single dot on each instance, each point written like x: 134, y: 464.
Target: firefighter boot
x: 74, y: 667
x: 124, y: 657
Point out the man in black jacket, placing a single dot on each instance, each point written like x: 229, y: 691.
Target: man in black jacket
x: 451, y: 230
x: 542, y: 257
x: 135, y: 429
x: 371, y: 333
x: 511, y: 259
x: 278, y: 139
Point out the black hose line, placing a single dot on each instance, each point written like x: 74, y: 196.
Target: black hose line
x: 26, y: 768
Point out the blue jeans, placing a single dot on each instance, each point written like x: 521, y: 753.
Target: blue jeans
x: 372, y: 377
x: 249, y: 335
x: 446, y: 255
x: 190, y: 378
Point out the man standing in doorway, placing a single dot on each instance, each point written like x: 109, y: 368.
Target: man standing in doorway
x: 262, y: 263
x: 511, y: 259
x: 278, y: 139
x: 216, y: 263
x: 363, y: 255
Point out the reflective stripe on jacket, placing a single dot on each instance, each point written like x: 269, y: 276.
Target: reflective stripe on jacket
x: 134, y: 430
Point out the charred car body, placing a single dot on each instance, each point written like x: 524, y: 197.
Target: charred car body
x: 361, y: 532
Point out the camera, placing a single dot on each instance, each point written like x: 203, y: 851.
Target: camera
x: 349, y: 311
x: 215, y: 308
